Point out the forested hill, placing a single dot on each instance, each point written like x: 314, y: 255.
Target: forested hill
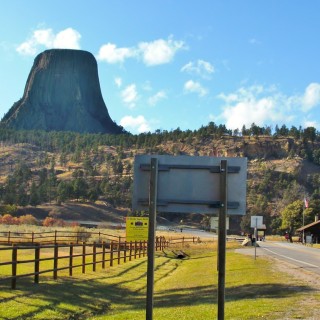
x: 58, y: 167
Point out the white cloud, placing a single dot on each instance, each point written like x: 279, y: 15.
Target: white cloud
x: 311, y: 96
x: 118, y: 82
x: 130, y: 95
x: 258, y: 105
x: 27, y: 48
x: 159, y: 51
x: 152, y: 53
x: 111, y: 54
x: 195, y: 87
x: 201, y: 68
x: 156, y: 98
x: 248, y: 112
x: 139, y: 124
x: 66, y: 39
x: 43, y: 37
x: 307, y: 124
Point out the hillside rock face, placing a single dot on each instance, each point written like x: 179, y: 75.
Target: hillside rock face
x: 62, y: 93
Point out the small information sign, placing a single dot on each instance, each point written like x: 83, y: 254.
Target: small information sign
x: 214, y: 223
x: 256, y: 221
x: 137, y: 228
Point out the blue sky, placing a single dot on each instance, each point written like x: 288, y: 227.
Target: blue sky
x: 173, y: 63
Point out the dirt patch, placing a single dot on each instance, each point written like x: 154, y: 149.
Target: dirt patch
x: 307, y: 308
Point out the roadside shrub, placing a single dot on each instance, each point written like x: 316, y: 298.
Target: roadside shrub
x: 50, y: 222
x: 9, y: 219
x: 28, y: 219
x: 81, y: 234
x: 74, y: 224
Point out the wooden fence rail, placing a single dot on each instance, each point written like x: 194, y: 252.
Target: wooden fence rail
x: 67, y: 257
x: 183, y: 240
x: 56, y: 236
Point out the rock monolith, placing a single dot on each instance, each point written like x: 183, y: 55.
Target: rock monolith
x: 62, y: 93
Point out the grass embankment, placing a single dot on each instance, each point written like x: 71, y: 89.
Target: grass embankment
x: 184, y: 290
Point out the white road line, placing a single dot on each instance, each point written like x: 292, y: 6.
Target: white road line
x: 281, y: 255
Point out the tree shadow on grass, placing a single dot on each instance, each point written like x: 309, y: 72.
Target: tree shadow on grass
x: 209, y: 294
x: 93, y: 297
x: 87, y: 298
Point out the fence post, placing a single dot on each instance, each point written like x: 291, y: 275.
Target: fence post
x: 130, y: 256
x: 70, y: 259
x: 36, y: 262
x: 125, y: 252
x: 83, y: 257
x: 103, y: 255
x: 144, y: 248
x: 111, y: 254
x: 119, y: 252
x: 32, y: 237
x: 14, y: 266
x: 94, y: 256
x: 182, y: 241
x: 140, y: 244
x: 55, y: 236
x: 135, y: 249
x: 9, y: 236
x: 55, y: 261
x: 156, y: 246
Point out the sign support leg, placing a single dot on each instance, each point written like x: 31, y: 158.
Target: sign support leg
x: 255, y: 239
x: 222, y: 238
x: 151, y: 235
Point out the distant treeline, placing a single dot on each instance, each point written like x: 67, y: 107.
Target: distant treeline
x: 70, y: 141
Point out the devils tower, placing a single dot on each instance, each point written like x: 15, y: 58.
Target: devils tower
x: 62, y: 93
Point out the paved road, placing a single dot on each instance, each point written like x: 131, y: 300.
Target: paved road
x: 304, y: 257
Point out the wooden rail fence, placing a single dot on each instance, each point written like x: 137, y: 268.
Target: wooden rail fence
x: 183, y: 240
x: 56, y: 236
x: 67, y: 257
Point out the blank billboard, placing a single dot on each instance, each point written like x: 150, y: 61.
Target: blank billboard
x: 190, y: 184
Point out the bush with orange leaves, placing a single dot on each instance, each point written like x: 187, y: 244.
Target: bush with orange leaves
x: 50, y: 222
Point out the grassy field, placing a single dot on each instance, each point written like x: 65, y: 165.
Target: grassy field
x: 184, y: 290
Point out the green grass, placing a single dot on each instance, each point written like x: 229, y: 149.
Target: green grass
x: 184, y: 290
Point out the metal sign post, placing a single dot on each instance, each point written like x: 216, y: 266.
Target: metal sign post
x: 151, y: 235
x: 256, y: 222
x: 222, y: 238
x: 255, y: 239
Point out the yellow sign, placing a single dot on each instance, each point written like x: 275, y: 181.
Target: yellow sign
x: 137, y: 228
